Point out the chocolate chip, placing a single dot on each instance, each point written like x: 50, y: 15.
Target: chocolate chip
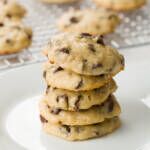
x: 122, y: 61
x: 44, y: 74
x: 59, y: 122
x: 9, y: 41
x: 58, y: 69
x: 1, y: 24
x: 8, y: 15
x: 96, y: 133
x: 85, y: 35
x: 67, y: 128
x: 91, y: 47
x: 102, y: 76
x: 80, y: 83
x: 112, y: 16
x: 84, y: 61
x: 29, y: 36
x: 65, y: 50
x: 55, y: 111
x: 74, y: 20
x: 57, y: 99
x: 43, y: 120
x: 98, y: 65
x: 89, y: 97
x: 5, y: 1
x: 110, y: 105
x: 77, y: 102
x: 100, y: 40
x: 103, y: 104
x: 62, y: 97
x: 47, y: 89
x: 48, y: 107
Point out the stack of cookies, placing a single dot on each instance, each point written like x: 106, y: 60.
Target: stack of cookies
x: 78, y: 103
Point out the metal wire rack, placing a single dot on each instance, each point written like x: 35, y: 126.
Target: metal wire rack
x: 134, y: 30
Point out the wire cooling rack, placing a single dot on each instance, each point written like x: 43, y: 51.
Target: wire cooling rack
x: 134, y: 30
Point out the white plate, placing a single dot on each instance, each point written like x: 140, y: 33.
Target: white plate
x: 20, y: 127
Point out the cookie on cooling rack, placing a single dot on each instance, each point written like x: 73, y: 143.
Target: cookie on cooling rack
x: 59, y: 1
x: 74, y: 133
x: 91, y: 21
x: 121, y: 5
x: 11, y: 10
x: 14, y: 37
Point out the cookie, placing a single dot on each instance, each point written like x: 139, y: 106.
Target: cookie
x: 73, y: 101
x: 84, y: 54
x: 11, y: 10
x: 59, y: 1
x: 121, y: 5
x: 96, y: 22
x: 74, y: 133
x: 64, y: 79
x: 14, y: 37
x: 110, y: 108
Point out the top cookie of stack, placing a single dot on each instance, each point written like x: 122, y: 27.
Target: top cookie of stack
x: 84, y: 54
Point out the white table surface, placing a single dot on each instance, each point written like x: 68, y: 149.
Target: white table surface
x: 139, y: 54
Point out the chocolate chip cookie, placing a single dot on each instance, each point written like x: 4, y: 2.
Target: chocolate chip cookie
x: 121, y: 5
x: 11, y: 10
x: 74, y: 133
x: 73, y: 101
x: 109, y: 109
x: 58, y: 77
x: 14, y: 37
x: 97, y: 22
x: 84, y: 54
x: 59, y: 1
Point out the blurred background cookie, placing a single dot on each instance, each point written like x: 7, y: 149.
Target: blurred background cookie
x: 14, y: 37
x: 121, y: 5
x: 91, y: 21
x: 11, y: 9
x: 59, y: 1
